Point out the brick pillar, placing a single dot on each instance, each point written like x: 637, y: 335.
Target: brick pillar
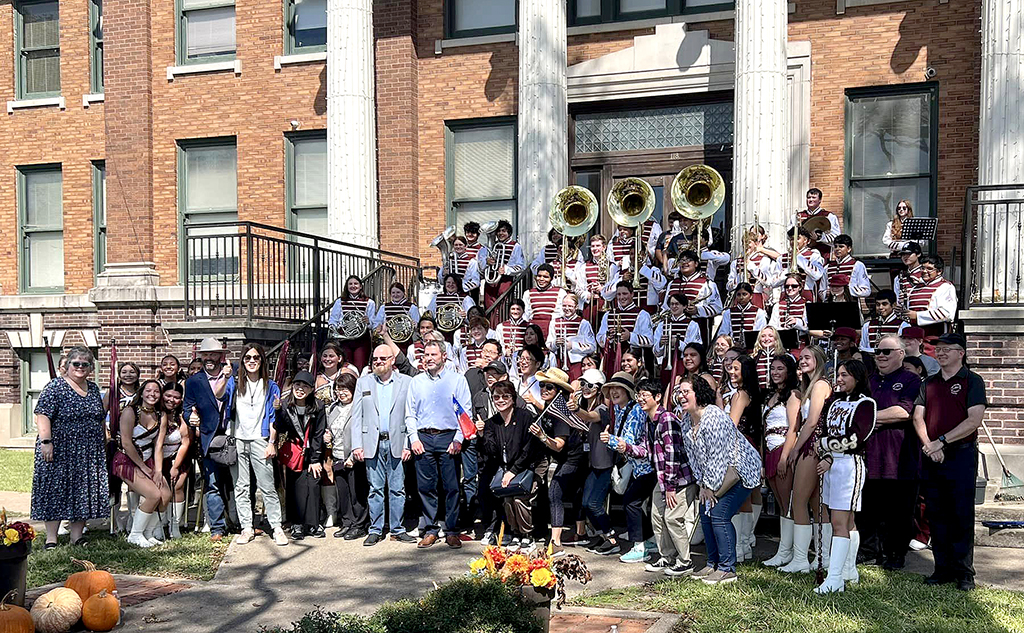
x: 394, y: 29
x: 128, y: 113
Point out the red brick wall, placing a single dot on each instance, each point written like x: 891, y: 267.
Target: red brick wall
x: 998, y: 358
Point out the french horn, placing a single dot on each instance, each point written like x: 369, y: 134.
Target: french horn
x: 399, y: 328
x: 449, y: 317
x: 353, y: 325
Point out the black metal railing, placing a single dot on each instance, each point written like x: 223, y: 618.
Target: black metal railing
x: 498, y: 311
x: 258, y: 272
x: 991, y: 274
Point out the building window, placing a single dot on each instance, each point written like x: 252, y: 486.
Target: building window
x: 603, y: 11
x: 470, y: 18
x: 306, y: 26
x: 37, y: 34
x: 99, y: 213
x: 208, y: 194
x: 35, y: 375
x: 206, y: 31
x: 96, y: 37
x: 481, y: 171
x: 306, y: 195
x: 41, y: 219
x: 891, y: 155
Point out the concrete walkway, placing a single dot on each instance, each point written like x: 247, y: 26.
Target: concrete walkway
x: 261, y: 584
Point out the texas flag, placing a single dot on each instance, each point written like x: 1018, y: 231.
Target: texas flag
x: 465, y: 422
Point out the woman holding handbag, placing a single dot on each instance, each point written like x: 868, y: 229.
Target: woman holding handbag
x: 510, y: 456
x: 302, y: 421
x: 726, y: 467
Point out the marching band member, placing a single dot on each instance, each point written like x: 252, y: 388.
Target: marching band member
x: 686, y: 240
x: 702, y: 293
x: 462, y: 335
x: 473, y: 246
x: 791, y: 311
x: 399, y: 304
x: 503, y: 261
x: 673, y: 333
x: 570, y: 337
x: 624, y: 326
x: 885, y: 322
x: 760, y: 269
x: 451, y: 293
x: 510, y: 331
x: 622, y: 251
x: 717, y: 354
x: 470, y: 349
x: 910, y: 277
x: 814, y: 210
x: 932, y: 303
x: 843, y: 263
x: 551, y: 254
x: 808, y: 261
x: 767, y: 347
x: 462, y: 261
x: 355, y: 300
x: 893, y: 236
x: 849, y: 421
x: 544, y: 301
x: 650, y: 235
x: 838, y: 290
x: 744, y: 316
x: 595, y: 279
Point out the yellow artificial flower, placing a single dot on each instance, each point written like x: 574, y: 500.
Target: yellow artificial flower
x: 478, y: 564
x: 542, y: 577
x: 11, y: 536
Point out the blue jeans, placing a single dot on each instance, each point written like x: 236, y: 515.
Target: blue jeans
x: 214, y: 501
x: 719, y: 533
x: 595, y: 492
x: 435, y: 458
x: 386, y: 469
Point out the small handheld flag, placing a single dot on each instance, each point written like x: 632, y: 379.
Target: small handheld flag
x: 465, y: 422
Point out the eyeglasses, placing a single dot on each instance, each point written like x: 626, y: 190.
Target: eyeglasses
x: 252, y: 357
x: 792, y: 286
x: 381, y: 359
x: 546, y: 386
x: 81, y: 365
x: 885, y: 352
x: 501, y: 396
x: 587, y: 385
x: 946, y: 350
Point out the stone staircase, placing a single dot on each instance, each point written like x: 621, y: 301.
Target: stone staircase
x: 999, y: 511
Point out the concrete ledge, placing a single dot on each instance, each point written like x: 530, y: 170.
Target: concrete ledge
x: 46, y: 303
x: 195, y: 69
x: 1006, y: 320
x: 300, y: 58
x: 90, y: 99
x: 20, y: 104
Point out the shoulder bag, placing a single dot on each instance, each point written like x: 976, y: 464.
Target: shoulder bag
x: 292, y: 453
x: 732, y: 476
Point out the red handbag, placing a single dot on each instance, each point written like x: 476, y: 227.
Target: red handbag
x: 292, y: 454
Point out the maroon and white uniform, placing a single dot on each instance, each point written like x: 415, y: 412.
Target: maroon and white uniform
x: 763, y: 363
x: 391, y: 309
x: 510, y: 333
x: 552, y: 254
x: 587, y: 274
x: 466, y: 266
x: 645, y: 295
x: 633, y: 322
x: 877, y: 327
x: 845, y: 425
x: 833, y: 222
x: 542, y: 305
x: 738, y: 320
x: 859, y: 286
x: 671, y: 336
x: 761, y: 270
x: 935, y: 305
x: 810, y: 263
x: 571, y: 338
x: 904, y: 283
x: 787, y: 310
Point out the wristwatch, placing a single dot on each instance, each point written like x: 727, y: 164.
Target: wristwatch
x: 942, y: 439
x: 46, y: 441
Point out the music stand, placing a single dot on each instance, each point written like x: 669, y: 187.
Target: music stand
x: 919, y: 229
x: 750, y: 339
x: 790, y: 339
x: 829, y: 316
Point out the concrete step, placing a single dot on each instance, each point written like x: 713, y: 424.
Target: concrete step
x: 1010, y: 537
x: 999, y: 511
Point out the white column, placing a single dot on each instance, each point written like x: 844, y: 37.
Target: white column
x: 543, y: 112
x: 761, y: 126
x: 351, y: 124
x: 1000, y: 146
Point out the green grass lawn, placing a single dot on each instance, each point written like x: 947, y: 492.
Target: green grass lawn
x: 16, y: 470
x: 194, y: 557
x: 766, y: 600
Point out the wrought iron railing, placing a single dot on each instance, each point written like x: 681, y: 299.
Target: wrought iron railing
x: 498, y: 311
x: 258, y: 272
x: 991, y: 272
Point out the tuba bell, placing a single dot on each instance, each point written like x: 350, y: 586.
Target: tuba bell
x: 443, y: 243
x: 630, y: 203
x: 449, y: 317
x: 698, y: 192
x: 399, y: 328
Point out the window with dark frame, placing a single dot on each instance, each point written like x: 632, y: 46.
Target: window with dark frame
x: 583, y: 12
x: 41, y: 225
x: 206, y: 31
x: 99, y: 209
x: 96, y: 39
x: 891, y: 155
x: 473, y: 18
x: 306, y: 193
x: 306, y: 26
x: 481, y: 171
x: 208, y: 194
x: 37, y: 36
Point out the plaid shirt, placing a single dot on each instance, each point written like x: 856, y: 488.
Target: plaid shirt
x: 668, y: 453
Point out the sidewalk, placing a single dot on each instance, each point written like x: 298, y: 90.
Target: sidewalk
x: 16, y: 503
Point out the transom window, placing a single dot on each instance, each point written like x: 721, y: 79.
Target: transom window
x: 470, y: 18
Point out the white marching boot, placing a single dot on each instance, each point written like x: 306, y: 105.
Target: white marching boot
x: 133, y: 505
x: 826, y: 539
x: 177, y: 513
x: 850, y: 573
x: 155, y: 530
x: 751, y: 537
x: 140, y: 521
x: 737, y: 524
x: 801, y: 541
x: 834, y: 581
x: 785, y: 553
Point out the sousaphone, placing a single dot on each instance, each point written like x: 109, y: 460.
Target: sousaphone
x: 698, y: 192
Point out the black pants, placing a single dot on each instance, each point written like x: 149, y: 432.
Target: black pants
x: 303, y: 498
x: 949, y: 503
x: 886, y: 520
x: 352, y: 489
x: 637, y: 493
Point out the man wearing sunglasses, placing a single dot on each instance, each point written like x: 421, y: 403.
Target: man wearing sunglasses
x: 886, y: 520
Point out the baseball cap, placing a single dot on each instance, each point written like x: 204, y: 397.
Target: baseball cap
x: 952, y: 338
x: 913, y: 332
x: 496, y: 366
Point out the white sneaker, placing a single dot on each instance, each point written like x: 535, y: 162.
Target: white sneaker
x: 280, y: 538
x: 917, y: 545
x: 246, y: 536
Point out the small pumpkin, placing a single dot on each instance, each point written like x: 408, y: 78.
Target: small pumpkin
x: 101, y: 611
x: 14, y: 619
x: 90, y: 580
x: 57, y: 610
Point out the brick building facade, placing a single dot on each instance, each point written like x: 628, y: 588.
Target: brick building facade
x: 432, y: 82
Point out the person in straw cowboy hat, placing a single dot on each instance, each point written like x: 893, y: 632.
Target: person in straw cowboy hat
x: 563, y: 444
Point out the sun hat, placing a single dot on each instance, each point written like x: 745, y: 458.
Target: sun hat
x: 622, y: 379
x: 555, y: 376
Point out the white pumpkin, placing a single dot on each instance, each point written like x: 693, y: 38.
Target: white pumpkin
x: 57, y: 610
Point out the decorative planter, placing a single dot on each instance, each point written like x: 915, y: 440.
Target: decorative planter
x: 541, y: 601
x: 14, y: 570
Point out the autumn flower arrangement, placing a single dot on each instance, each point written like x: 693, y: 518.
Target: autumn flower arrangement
x: 536, y: 569
x: 14, y: 533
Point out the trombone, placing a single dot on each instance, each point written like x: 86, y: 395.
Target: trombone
x: 630, y: 203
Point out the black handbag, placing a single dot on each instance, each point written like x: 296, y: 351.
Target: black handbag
x: 222, y: 450
x: 521, y: 484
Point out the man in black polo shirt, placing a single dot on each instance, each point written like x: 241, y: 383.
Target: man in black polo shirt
x: 890, y: 491
x: 947, y: 415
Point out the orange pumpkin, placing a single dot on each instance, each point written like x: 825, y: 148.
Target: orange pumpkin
x: 90, y: 580
x: 56, y: 611
x: 101, y: 611
x: 14, y: 619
